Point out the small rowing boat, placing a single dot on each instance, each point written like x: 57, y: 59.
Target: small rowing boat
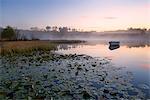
x: 114, y: 45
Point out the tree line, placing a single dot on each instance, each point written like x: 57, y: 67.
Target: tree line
x: 56, y: 29
x: 12, y: 34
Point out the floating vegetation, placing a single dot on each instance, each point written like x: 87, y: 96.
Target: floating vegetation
x: 46, y: 75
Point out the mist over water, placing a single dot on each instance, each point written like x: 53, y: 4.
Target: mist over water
x: 132, y: 55
x: 87, y: 36
x: 133, y: 51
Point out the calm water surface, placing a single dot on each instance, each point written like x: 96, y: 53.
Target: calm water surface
x: 135, y: 57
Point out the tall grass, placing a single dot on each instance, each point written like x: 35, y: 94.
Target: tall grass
x: 21, y: 47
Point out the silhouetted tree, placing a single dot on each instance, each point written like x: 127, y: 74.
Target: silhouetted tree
x: 8, y: 33
x: 69, y: 29
x: 63, y: 30
x: 74, y: 30
x: 48, y: 28
x: 17, y: 35
x: 34, y: 28
x: 54, y: 28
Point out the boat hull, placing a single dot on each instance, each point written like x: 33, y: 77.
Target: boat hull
x: 114, y: 45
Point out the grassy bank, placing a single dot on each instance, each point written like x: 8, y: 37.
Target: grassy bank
x: 25, y: 47
x: 12, y: 47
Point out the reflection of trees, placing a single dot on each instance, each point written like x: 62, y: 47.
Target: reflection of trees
x: 131, y: 44
x: 69, y: 46
x: 137, y: 44
x: 128, y: 43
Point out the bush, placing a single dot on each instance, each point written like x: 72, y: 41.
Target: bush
x: 8, y: 33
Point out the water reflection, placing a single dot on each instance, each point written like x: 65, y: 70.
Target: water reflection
x: 134, y: 56
x: 69, y: 46
x: 127, y: 44
x: 114, y: 47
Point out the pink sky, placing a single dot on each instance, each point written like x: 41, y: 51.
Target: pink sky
x: 99, y: 15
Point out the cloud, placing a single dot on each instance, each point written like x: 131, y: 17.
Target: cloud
x: 110, y: 17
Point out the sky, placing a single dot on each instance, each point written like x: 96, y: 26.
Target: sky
x: 98, y: 15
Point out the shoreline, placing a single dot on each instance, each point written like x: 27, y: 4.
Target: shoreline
x: 12, y: 47
x: 55, y: 41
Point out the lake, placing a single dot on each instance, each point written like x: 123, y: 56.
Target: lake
x: 90, y: 70
x: 134, y: 56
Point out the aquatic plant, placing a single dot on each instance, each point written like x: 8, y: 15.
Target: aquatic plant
x: 61, y: 77
x: 25, y: 47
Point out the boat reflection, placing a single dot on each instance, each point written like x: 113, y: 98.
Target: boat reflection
x: 128, y: 44
x: 114, y: 47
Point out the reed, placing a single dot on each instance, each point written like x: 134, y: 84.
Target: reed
x: 21, y: 47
